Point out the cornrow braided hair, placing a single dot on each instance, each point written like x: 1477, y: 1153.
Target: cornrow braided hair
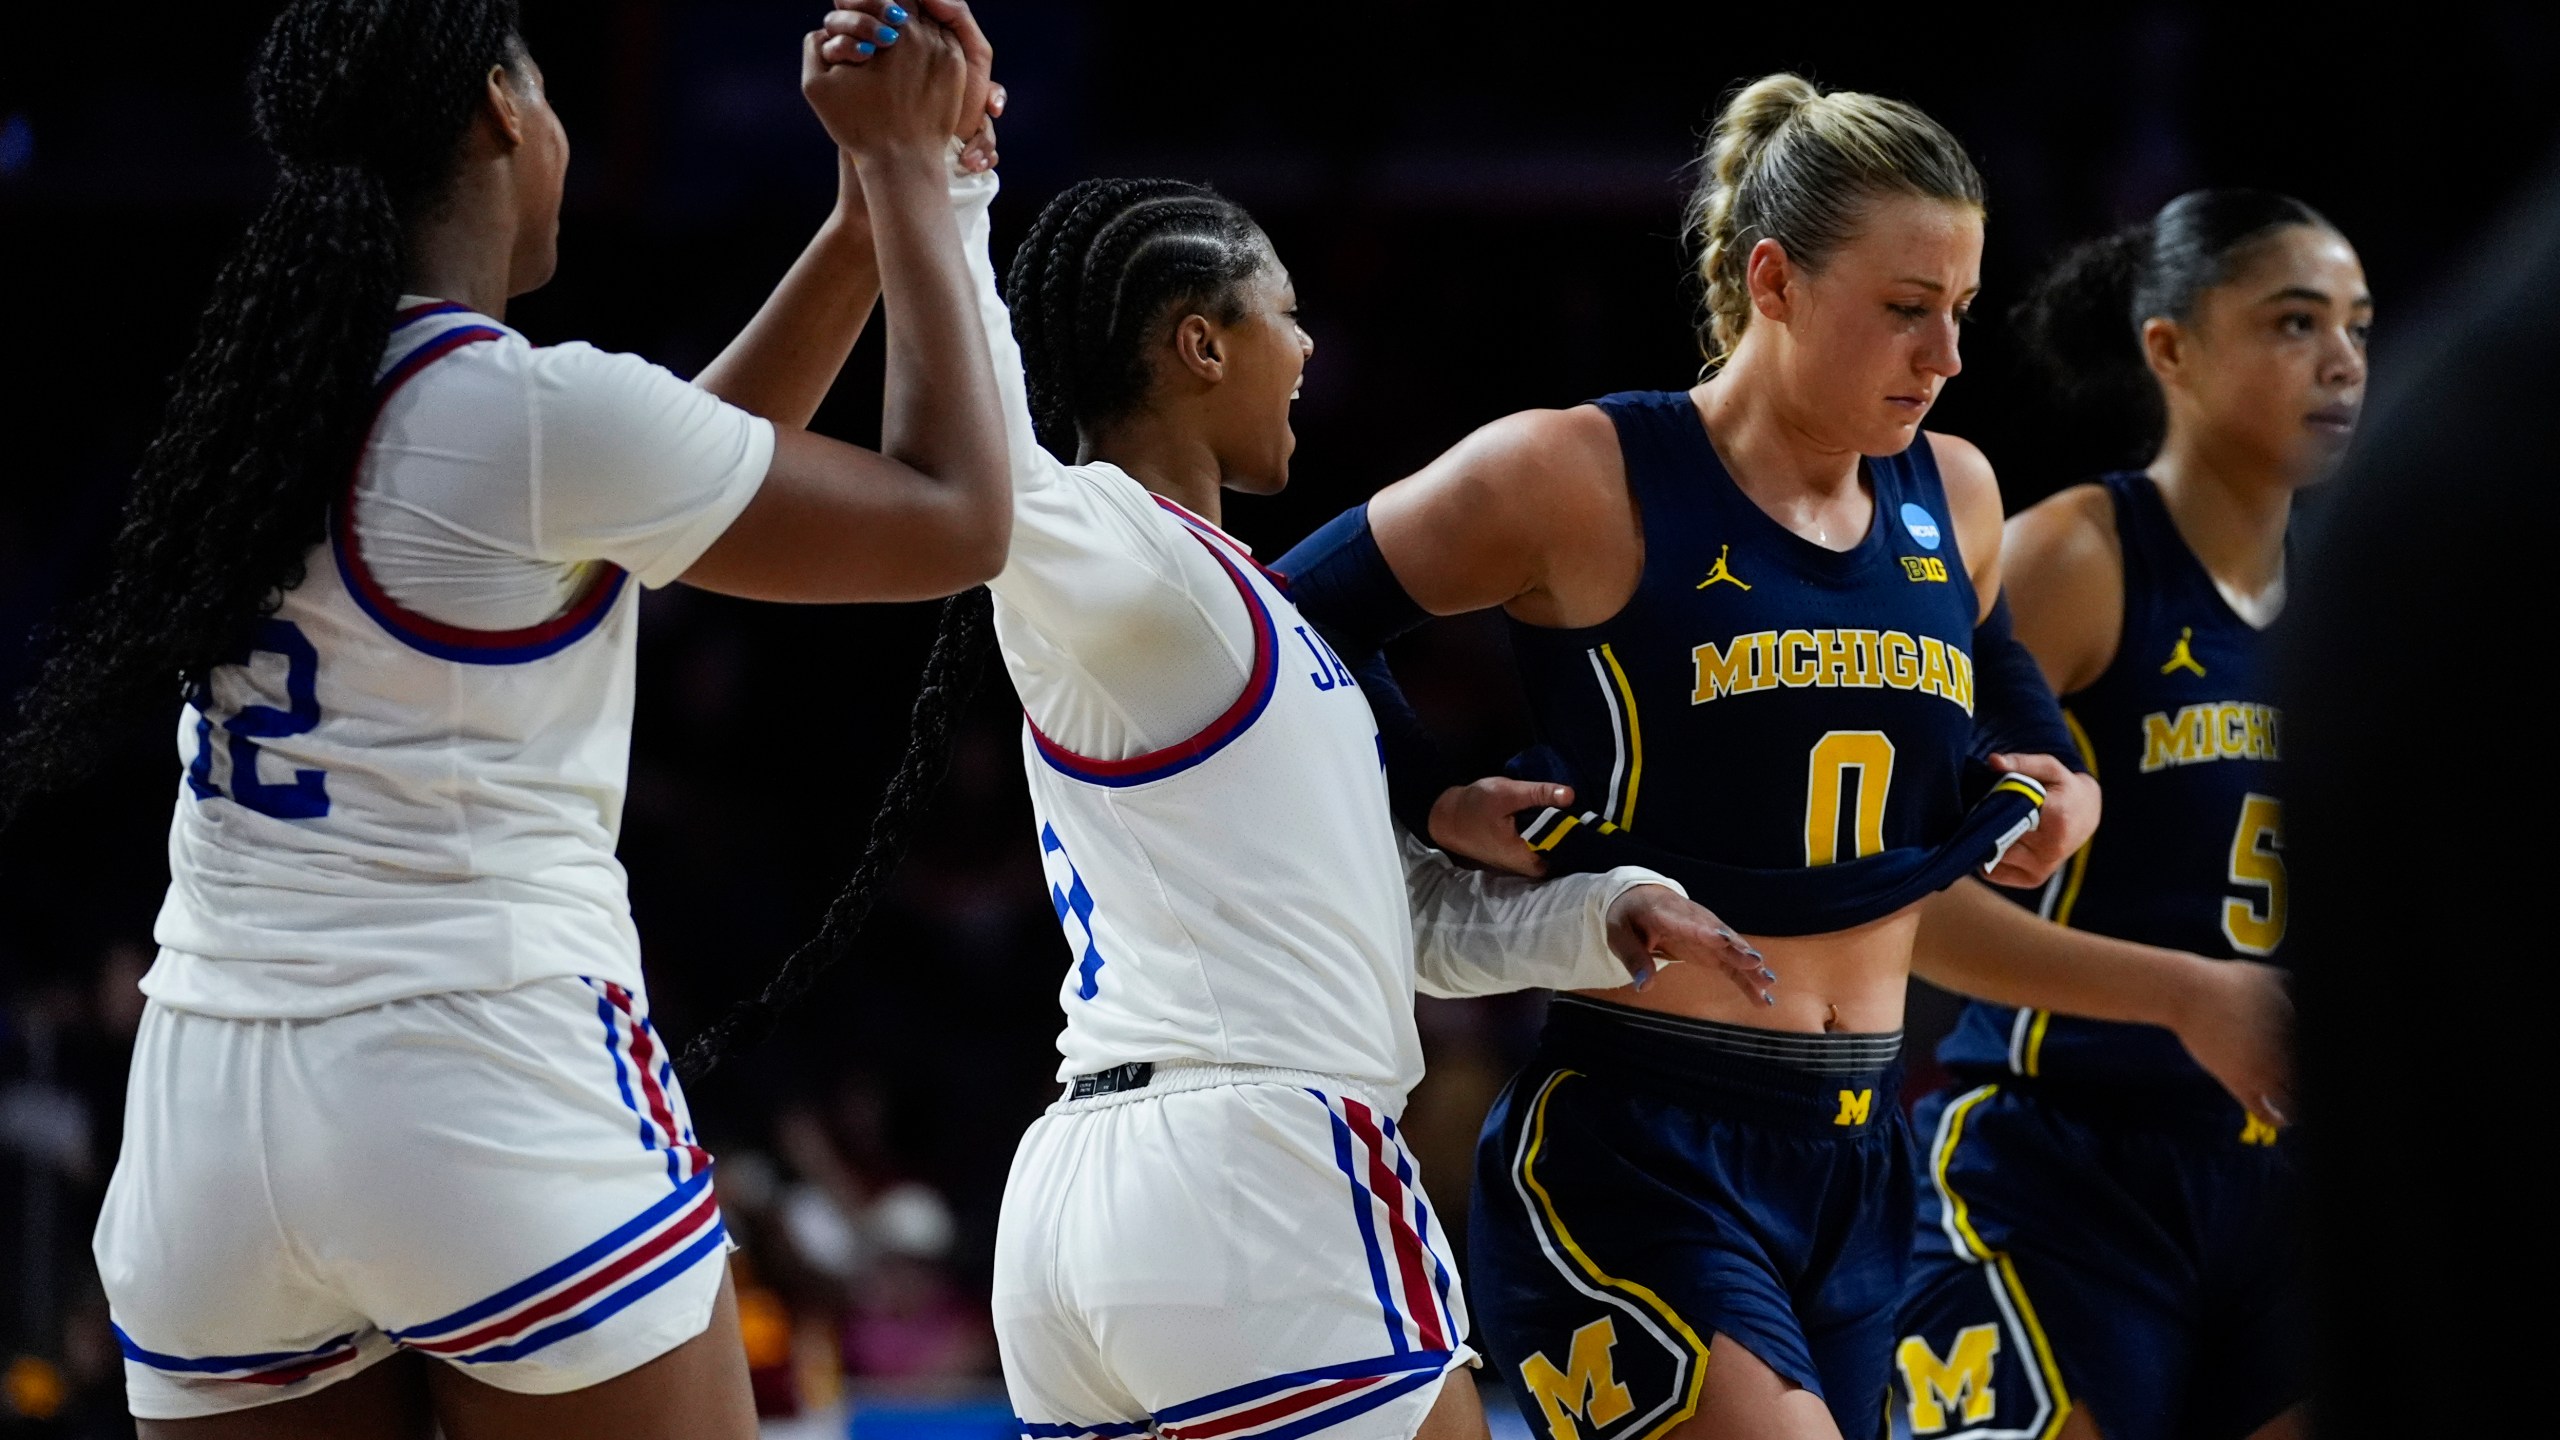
x: 960, y: 644
x: 1106, y: 260
x: 1106, y: 267
x: 364, y: 105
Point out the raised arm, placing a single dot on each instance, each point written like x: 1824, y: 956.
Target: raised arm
x: 782, y: 365
x: 932, y: 513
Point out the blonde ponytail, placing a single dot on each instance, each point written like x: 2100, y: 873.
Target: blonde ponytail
x: 1791, y: 162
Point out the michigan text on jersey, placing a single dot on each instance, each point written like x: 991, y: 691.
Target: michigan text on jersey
x: 1866, y: 659
x: 2214, y: 730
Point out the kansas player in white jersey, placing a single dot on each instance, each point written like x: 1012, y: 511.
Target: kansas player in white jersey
x: 397, y: 1097
x: 1219, y: 1229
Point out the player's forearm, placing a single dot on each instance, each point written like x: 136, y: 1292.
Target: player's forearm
x: 787, y: 358
x: 1479, y: 933
x: 942, y: 414
x: 1975, y: 943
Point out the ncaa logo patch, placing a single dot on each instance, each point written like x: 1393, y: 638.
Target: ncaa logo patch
x: 1922, y: 525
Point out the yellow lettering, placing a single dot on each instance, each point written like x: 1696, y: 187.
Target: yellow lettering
x: 1960, y: 671
x: 2257, y: 859
x: 1723, y: 672
x: 1870, y: 658
x: 1854, y: 1105
x: 1933, y: 667
x: 1901, y: 660
x: 1587, y: 1386
x: 1870, y: 753
x: 1839, y: 663
x: 2231, y: 729
x: 1924, y: 567
x: 1793, y: 672
x: 2254, y: 1131
x: 1962, y: 1380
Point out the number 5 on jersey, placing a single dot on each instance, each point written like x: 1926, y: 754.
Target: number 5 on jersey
x: 2257, y: 859
x: 306, y: 795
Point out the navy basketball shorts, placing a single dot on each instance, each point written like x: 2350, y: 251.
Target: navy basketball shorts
x: 2133, y: 1254
x: 1648, y: 1182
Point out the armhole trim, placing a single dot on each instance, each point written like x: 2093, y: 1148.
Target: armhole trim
x: 1260, y: 683
x: 433, y: 637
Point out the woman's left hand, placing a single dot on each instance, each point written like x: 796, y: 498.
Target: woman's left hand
x: 1653, y: 925
x: 2069, y: 818
x: 856, y: 30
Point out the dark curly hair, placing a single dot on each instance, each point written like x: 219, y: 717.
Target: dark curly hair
x: 364, y: 105
x: 1104, y: 266
x: 2081, y: 322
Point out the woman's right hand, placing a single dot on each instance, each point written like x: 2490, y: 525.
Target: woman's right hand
x: 2237, y: 1021
x: 1480, y: 822
x: 907, y: 97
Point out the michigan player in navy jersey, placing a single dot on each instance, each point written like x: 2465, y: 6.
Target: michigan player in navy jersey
x: 1759, y: 626
x: 2107, y: 1243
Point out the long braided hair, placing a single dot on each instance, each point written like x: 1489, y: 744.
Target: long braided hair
x: 1106, y: 268
x: 1106, y: 264
x: 364, y: 105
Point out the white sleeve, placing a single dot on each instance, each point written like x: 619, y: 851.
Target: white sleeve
x: 1479, y: 933
x: 634, y: 466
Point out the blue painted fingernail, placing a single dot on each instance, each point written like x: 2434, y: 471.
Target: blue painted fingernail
x: 888, y: 36
x: 866, y: 47
x: 1768, y: 974
x: 897, y: 15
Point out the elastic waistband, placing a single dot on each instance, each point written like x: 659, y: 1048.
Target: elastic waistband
x: 1172, y: 1077
x: 1833, y: 1085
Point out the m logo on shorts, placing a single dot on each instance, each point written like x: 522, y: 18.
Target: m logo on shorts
x: 1587, y: 1387
x: 1962, y: 1380
x: 1855, y: 1105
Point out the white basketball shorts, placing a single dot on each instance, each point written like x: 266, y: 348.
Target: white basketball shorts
x: 1227, y: 1252
x: 505, y: 1180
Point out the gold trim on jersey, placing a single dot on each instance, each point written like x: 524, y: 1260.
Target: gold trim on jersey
x: 1957, y: 1223
x: 1630, y: 737
x: 2026, y: 1047
x: 1554, y: 1237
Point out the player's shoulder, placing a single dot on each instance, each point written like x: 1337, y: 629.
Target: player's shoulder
x: 1536, y: 458
x: 1963, y: 470
x: 2073, y: 526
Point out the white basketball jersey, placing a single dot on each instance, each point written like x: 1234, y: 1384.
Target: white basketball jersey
x: 1238, y: 897
x: 378, y: 805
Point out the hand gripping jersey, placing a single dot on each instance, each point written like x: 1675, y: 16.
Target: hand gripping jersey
x: 1781, y: 726
x: 2183, y: 731
x: 411, y: 779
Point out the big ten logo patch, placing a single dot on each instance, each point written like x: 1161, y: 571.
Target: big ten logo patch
x: 1586, y: 1387
x: 1925, y: 567
x: 1074, y: 904
x: 1960, y: 1381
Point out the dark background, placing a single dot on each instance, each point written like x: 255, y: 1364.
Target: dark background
x: 1480, y: 206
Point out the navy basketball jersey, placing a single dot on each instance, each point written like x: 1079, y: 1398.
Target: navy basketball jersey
x: 2183, y: 732
x: 1762, y: 704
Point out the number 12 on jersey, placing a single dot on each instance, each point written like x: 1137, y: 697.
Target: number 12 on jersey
x: 306, y: 795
